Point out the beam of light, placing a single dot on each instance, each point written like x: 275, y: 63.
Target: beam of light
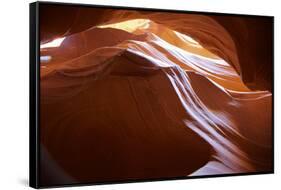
x: 144, y: 26
x: 129, y: 25
x: 55, y: 43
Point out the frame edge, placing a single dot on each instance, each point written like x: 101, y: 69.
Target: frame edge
x: 33, y: 88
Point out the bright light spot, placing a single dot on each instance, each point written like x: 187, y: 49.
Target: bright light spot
x: 55, y: 43
x: 188, y: 39
x: 129, y: 25
x: 45, y: 58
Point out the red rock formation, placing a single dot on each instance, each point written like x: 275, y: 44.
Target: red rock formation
x: 138, y: 94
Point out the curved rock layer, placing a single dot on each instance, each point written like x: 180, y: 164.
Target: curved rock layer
x: 245, y: 42
x: 135, y: 97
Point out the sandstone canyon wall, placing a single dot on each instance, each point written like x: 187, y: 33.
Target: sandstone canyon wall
x: 128, y: 95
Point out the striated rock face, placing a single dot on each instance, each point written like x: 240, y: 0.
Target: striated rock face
x: 245, y: 42
x: 143, y: 95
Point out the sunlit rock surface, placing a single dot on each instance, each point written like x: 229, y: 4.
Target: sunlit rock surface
x: 149, y: 95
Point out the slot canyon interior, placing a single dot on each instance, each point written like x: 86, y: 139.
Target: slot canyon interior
x: 146, y: 94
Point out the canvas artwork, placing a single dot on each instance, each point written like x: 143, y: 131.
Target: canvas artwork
x: 131, y: 94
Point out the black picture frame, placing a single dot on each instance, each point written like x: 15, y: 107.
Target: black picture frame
x: 34, y: 93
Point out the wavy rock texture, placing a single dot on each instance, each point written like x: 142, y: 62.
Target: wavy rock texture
x: 141, y: 95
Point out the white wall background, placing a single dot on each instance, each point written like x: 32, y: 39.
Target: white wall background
x: 14, y: 65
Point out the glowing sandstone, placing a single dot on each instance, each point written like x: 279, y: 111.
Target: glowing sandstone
x: 134, y: 98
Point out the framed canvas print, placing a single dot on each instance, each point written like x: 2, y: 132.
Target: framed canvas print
x: 121, y: 94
